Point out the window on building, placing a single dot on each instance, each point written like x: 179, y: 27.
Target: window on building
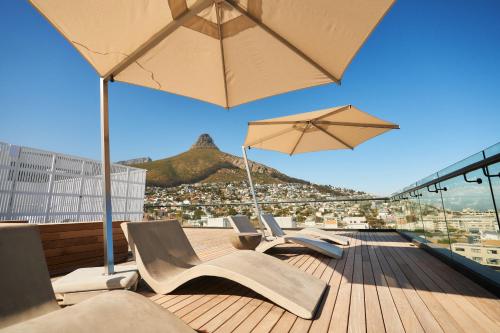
x: 492, y: 261
x: 478, y: 259
x: 492, y: 251
x: 476, y: 250
x: 459, y: 249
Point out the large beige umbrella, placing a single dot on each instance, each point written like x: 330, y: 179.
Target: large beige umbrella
x: 342, y: 127
x: 225, y: 52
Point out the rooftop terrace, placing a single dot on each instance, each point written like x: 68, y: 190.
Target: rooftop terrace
x: 383, y: 283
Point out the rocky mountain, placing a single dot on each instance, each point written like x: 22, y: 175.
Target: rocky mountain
x: 205, y: 162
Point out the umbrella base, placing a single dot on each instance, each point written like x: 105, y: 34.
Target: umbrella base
x: 84, y: 283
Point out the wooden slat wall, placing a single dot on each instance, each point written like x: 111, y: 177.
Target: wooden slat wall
x: 69, y: 246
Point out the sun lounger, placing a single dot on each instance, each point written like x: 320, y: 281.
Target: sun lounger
x: 28, y: 304
x: 166, y: 260
x: 241, y: 223
x: 273, y: 227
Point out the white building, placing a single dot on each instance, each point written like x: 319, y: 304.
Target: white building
x: 218, y: 222
x: 355, y: 222
x: 44, y: 187
x: 483, y: 253
x: 286, y: 221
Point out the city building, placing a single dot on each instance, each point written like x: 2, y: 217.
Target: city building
x: 355, y: 222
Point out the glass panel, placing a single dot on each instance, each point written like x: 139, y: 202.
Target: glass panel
x: 472, y: 224
x: 433, y: 218
x: 427, y: 179
x: 494, y: 169
x: 493, y: 150
x: 463, y: 163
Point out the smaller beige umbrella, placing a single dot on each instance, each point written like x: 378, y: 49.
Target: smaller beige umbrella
x: 342, y: 127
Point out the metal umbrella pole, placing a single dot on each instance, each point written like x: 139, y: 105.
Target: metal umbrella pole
x: 252, y: 189
x: 106, y: 182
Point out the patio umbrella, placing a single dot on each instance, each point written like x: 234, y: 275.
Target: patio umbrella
x: 342, y: 127
x: 224, y: 52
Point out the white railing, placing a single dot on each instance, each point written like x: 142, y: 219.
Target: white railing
x: 45, y: 187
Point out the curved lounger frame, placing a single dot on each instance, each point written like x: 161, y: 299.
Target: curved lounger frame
x: 241, y: 223
x: 166, y: 260
x: 325, y: 235
x: 273, y: 227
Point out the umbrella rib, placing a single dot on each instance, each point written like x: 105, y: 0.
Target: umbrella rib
x: 336, y: 123
x: 283, y: 41
x: 343, y: 108
x: 219, y: 26
x: 300, y: 138
x: 332, y: 136
x: 285, y: 122
x: 158, y: 37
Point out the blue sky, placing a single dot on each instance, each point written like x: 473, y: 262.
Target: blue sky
x: 431, y: 66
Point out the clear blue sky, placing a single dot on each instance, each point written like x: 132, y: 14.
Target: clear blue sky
x: 431, y: 66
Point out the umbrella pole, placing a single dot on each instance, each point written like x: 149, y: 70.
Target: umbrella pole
x: 106, y: 183
x: 250, y: 181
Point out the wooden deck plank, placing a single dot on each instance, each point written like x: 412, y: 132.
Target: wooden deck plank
x: 333, y: 276
x: 412, y: 279
x: 213, y: 297
x: 300, y: 324
x: 424, y: 315
x: 461, y: 311
x: 222, y: 317
x: 374, y: 319
x: 264, y: 309
x: 215, y: 309
x: 270, y: 319
x: 298, y: 261
x: 448, y: 313
x: 406, y: 314
x: 382, y: 283
x: 254, y: 318
x: 340, y: 316
x: 390, y: 314
x: 239, y: 316
x: 458, y: 284
x: 357, y: 316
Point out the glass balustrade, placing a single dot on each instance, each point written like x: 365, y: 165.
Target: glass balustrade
x: 457, y: 208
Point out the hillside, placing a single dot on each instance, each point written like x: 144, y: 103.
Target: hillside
x: 205, y: 163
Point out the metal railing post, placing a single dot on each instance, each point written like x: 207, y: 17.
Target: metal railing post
x: 445, y: 219
x: 492, y: 195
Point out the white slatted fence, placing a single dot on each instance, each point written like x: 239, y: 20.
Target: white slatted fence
x: 46, y: 187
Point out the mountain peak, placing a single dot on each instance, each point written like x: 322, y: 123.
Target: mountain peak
x: 204, y: 141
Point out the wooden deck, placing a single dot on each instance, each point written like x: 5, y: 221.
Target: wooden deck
x: 382, y: 283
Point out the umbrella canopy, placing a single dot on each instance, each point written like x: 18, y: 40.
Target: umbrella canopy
x: 342, y: 127
x: 225, y: 52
